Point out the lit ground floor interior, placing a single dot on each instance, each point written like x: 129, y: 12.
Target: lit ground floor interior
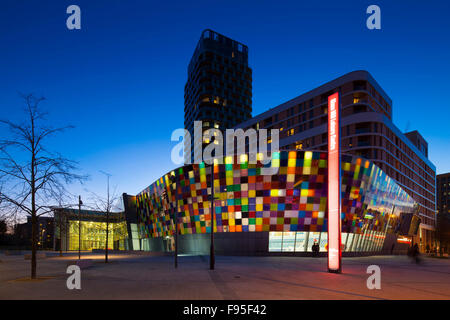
x: 276, y: 243
x: 152, y: 276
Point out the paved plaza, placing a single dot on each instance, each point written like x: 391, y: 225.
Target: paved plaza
x: 146, y: 276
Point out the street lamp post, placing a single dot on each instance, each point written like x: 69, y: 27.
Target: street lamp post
x: 176, y: 221
x: 108, y: 209
x: 176, y: 239
x: 211, y: 253
x: 79, y: 226
x: 174, y: 210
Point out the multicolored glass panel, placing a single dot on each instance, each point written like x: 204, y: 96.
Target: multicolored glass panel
x: 248, y: 200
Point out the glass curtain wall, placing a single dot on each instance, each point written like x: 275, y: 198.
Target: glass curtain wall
x: 93, y: 235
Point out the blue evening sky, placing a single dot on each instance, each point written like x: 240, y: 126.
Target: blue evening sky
x: 120, y: 79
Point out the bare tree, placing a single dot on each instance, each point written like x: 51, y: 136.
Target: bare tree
x: 31, y: 175
x: 64, y: 200
x: 108, y: 205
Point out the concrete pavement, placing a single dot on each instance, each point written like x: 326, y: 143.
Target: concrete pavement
x: 143, y: 276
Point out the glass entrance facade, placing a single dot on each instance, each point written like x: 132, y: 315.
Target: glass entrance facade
x: 93, y: 235
x: 93, y: 230
x: 302, y: 241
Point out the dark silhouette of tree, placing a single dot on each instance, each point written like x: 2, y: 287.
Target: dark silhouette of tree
x: 32, y: 177
x: 3, y: 227
x: 64, y: 201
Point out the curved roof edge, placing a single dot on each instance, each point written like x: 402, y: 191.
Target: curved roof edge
x: 330, y: 85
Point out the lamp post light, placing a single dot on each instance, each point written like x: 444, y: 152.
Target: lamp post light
x: 176, y: 220
x: 211, y: 253
x: 79, y: 227
x: 174, y: 210
x: 176, y: 235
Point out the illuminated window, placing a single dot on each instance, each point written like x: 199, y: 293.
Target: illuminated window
x: 300, y: 241
x: 275, y: 241
x: 323, y: 241
x: 93, y: 235
x: 299, y: 145
x: 288, y: 241
x: 313, y: 237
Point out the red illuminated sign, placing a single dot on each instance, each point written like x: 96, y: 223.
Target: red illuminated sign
x: 334, y: 186
x: 404, y: 240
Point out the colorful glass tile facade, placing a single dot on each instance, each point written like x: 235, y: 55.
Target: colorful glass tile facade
x: 248, y: 200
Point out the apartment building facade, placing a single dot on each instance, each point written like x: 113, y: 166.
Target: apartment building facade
x: 367, y: 130
x: 218, y: 90
x: 443, y: 194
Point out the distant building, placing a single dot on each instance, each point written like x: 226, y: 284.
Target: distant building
x: 219, y: 86
x: 23, y: 232
x: 443, y: 209
x: 443, y: 193
x: 420, y: 143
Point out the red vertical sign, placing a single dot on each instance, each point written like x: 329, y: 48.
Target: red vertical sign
x: 334, y: 186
